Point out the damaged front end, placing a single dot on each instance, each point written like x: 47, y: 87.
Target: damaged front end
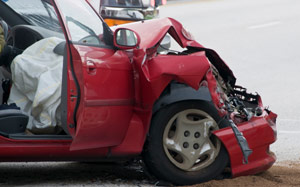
x: 253, y: 125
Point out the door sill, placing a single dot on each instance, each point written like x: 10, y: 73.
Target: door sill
x: 23, y: 136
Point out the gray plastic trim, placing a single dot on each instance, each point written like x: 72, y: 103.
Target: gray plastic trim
x: 64, y: 93
x: 181, y: 92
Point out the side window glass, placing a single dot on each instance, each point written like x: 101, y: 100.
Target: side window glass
x: 84, y: 25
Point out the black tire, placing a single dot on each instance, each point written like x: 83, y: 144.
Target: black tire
x: 159, y: 163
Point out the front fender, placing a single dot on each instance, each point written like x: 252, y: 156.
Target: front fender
x: 189, y: 69
x: 156, y: 74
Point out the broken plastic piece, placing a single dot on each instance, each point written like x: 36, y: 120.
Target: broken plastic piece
x: 242, y: 142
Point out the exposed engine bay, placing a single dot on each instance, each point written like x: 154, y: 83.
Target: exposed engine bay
x: 235, y: 99
x: 240, y: 104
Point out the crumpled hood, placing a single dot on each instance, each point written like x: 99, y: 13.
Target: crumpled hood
x: 153, y: 31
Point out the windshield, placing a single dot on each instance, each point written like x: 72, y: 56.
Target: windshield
x: 36, y: 12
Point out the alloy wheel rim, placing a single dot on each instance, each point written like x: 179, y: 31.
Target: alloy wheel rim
x: 188, y: 141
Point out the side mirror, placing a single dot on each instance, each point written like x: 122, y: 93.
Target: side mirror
x: 126, y: 39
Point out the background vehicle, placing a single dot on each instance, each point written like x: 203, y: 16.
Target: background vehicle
x: 121, y: 98
x: 116, y: 12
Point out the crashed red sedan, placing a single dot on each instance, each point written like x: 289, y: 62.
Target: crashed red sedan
x: 122, y: 96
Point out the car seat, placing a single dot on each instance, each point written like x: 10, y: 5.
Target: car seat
x: 12, y: 121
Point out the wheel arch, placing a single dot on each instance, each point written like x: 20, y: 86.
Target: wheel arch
x: 176, y: 92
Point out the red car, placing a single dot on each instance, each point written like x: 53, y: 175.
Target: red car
x: 181, y: 110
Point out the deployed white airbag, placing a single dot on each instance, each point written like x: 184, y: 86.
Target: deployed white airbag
x: 37, y: 77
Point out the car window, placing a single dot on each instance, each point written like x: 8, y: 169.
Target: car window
x: 84, y: 25
x: 36, y: 12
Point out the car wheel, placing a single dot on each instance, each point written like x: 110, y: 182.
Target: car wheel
x: 181, y: 148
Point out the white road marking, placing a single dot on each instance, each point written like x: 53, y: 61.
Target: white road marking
x: 289, y: 132
x: 293, y: 120
x: 264, y: 25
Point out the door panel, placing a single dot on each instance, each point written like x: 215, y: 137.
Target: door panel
x: 106, y: 98
x: 100, y: 79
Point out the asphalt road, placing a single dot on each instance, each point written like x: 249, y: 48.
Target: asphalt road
x: 259, y: 40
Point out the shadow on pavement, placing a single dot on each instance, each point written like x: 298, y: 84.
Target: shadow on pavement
x: 72, y: 173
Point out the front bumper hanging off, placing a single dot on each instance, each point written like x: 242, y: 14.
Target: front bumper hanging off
x: 259, y: 132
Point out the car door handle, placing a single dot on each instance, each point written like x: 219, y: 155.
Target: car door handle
x: 91, y: 67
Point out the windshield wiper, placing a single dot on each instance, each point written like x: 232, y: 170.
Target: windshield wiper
x: 82, y: 26
x: 48, y: 11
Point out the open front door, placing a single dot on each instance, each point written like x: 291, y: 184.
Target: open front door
x: 100, y: 81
